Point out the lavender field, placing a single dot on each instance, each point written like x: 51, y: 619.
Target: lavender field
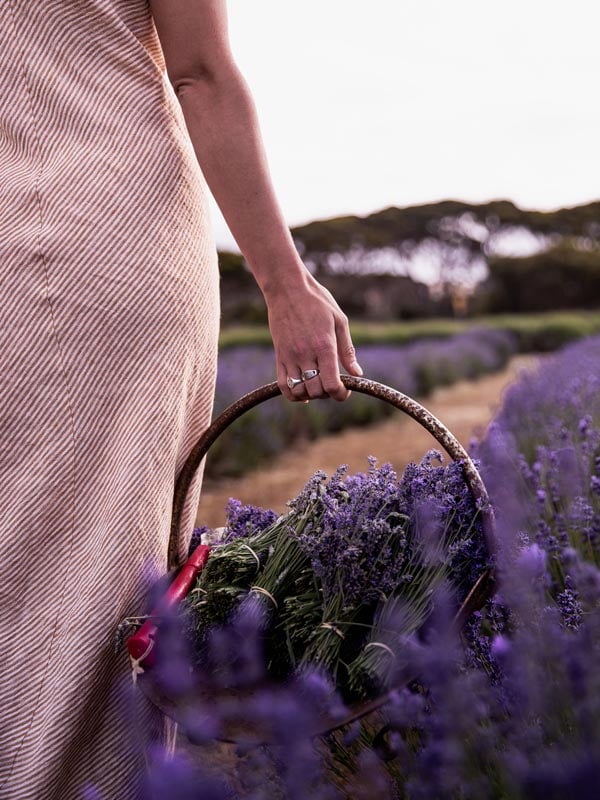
x: 511, y: 708
x: 415, y: 369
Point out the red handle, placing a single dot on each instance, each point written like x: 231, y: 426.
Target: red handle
x: 141, y: 644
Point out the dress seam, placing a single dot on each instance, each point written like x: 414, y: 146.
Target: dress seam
x: 42, y: 257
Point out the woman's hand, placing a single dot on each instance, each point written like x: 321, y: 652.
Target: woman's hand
x: 309, y: 331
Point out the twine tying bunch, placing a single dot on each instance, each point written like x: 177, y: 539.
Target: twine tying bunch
x: 266, y: 593
x: 330, y: 626
x: 382, y: 646
x: 247, y: 547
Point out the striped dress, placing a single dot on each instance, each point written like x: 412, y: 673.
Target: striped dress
x: 108, y: 333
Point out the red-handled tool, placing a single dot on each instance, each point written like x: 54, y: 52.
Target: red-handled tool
x: 141, y: 644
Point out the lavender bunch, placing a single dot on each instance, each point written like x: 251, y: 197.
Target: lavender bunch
x: 356, y: 551
x: 240, y: 521
x: 301, y: 614
x: 258, y: 568
x: 287, y: 560
x: 382, y: 656
x: 446, y: 546
x: 286, y: 593
x: 249, y: 537
x: 319, y: 575
x: 445, y: 518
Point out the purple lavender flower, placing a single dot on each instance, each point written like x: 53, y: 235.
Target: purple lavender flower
x: 500, y: 647
x: 362, y: 539
x: 235, y: 655
x: 246, y: 520
x: 179, y: 778
x: 570, y: 607
x: 359, y: 542
x: 569, y: 775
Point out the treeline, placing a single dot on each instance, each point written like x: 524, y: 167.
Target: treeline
x: 397, y: 227
x: 564, y: 277
x: 372, y: 263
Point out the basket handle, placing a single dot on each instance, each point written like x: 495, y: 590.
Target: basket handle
x: 364, y: 386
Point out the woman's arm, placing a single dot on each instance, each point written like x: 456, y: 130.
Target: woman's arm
x: 308, y: 328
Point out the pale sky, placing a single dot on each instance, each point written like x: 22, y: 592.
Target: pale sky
x: 369, y: 103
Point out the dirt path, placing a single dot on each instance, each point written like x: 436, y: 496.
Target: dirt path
x: 465, y: 408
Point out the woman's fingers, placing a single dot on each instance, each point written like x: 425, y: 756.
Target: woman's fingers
x: 314, y: 387
x: 327, y: 381
x: 345, y: 348
x: 298, y: 392
x: 330, y: 376
x: 282, y: 382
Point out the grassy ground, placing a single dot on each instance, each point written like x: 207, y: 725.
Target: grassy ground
x: 535, y: 332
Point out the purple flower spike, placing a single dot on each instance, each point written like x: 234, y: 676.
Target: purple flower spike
x: 532, y: 561
x: 179, y: 778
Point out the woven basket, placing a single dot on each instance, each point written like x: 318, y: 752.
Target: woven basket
x: 141, y: 644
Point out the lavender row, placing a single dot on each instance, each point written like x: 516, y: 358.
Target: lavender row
x: 415, y: 369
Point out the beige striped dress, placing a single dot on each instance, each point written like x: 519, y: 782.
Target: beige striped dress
x: 108, y: 334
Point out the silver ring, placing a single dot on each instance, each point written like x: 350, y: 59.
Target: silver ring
x: 310, y: 373
x: 291, y: 382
